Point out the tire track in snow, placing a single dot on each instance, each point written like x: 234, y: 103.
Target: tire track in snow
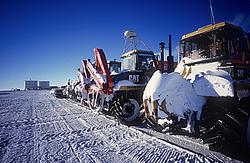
x: 20, y: 144
x: 100, y: 152
x: 131, y: 151
x: 66, y: 148
x: 193, y: 158
x: 56, y: 130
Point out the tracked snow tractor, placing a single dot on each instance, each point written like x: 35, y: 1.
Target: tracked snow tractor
x: 210, y: 88
x: 116, y: 87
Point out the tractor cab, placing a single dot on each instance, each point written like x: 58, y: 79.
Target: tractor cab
x: 137, y: 66
x: 223, y: 41
x: 138, y: 60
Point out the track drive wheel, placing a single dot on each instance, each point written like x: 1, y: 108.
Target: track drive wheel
x: 128, y: 112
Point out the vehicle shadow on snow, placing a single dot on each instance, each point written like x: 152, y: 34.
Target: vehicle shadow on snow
x: 232, y: 150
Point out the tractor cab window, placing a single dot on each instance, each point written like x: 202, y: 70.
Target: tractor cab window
x: 145, y: 62
x: 115, y: 67
x: 237, y: 44
x: 129, y: 63
x: 206, y: 46
x: 140, y: 61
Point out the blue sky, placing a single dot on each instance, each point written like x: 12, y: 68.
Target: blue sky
x: 47, y: 39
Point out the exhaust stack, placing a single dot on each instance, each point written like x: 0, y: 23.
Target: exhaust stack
x: 162, y: 46
x: 170, y: 57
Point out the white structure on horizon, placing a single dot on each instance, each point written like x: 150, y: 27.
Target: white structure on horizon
x: 30, y: 84
x: 44, y: 85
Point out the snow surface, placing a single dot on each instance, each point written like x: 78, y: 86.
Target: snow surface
x: 37, y: 127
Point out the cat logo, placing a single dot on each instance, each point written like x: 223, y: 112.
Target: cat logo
x: 133, y: 78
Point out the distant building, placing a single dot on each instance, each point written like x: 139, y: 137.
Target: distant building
x: 30, y: 84
x: 44, y: 85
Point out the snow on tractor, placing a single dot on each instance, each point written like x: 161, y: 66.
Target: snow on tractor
x: 116, y: 87
x: 208, y: 93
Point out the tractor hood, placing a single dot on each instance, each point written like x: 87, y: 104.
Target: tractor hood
x: 136, y: 77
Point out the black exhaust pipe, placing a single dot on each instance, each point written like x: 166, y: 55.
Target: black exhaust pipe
x: 162, y: 46
x: 170, y: 57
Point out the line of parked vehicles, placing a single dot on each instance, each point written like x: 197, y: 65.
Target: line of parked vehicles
x: 207, y: 95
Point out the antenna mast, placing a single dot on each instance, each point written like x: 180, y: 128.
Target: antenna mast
x: 130, y: 40
x: 212, y: 13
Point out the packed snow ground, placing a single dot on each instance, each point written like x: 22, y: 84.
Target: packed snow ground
x: 37, y: 127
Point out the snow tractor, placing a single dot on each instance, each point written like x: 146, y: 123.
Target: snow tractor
x: 208, y: 94
x: 116, y: 87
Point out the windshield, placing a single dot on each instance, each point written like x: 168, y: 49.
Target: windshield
x: 145, y: 62
x: 115, y: 68
x: 205, y: 47
x: 129, y: 63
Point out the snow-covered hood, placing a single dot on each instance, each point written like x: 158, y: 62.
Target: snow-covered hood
x: 186, y: 89
x: 126, y: 83
x: 207, y: 79
x: 178, y: 93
